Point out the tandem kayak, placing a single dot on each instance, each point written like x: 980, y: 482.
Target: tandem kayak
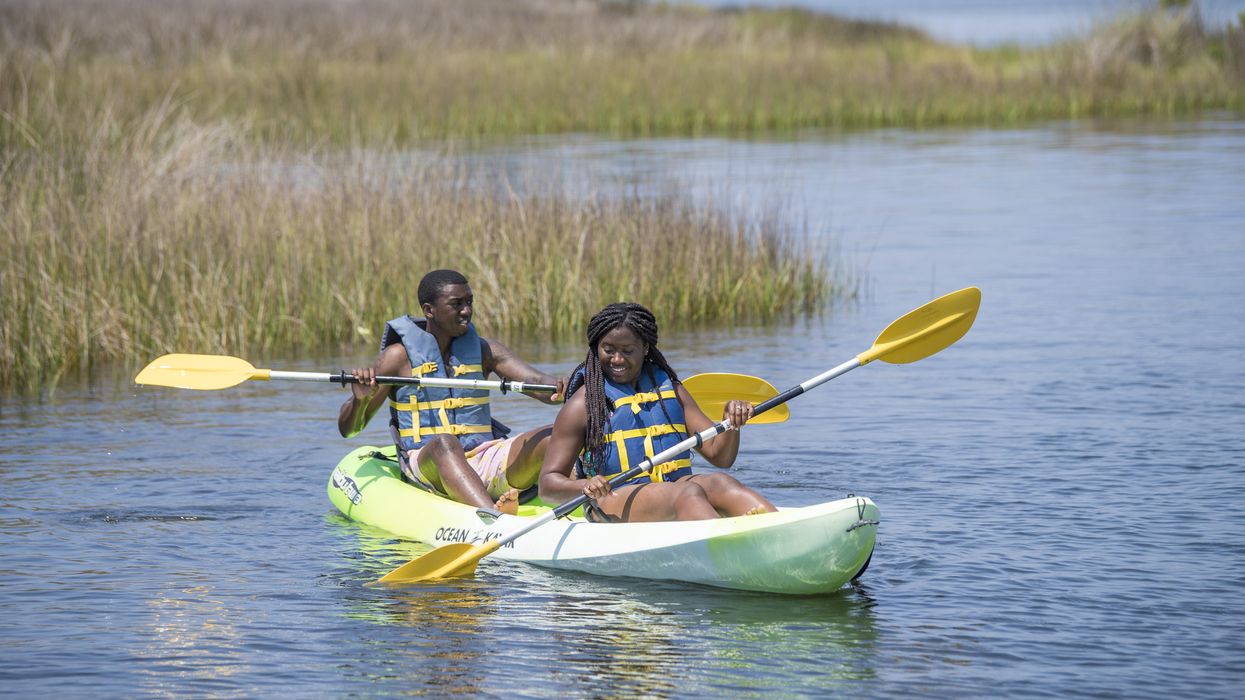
x: 811, y: 549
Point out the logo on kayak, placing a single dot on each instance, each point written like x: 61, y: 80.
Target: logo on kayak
x: 462, y: 534
x: 347, y: 486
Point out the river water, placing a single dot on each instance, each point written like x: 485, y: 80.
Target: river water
x: 1062, y: 491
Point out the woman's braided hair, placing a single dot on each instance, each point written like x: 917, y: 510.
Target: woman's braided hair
x: 643, y: 324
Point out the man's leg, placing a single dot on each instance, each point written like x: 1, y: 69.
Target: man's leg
x: 442, y: 463
x: 527, y: 453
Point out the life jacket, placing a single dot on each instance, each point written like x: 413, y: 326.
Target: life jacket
x: 418, y: 412
x: 639, y: 428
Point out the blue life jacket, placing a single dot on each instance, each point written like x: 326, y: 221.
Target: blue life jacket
x: 416, y: 412
x: 639, y: 428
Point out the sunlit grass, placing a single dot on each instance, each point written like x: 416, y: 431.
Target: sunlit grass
x: 380, y: 71
x: 163, y: 235
x: 220, y: 176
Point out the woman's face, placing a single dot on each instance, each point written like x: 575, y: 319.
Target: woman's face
x: 622, y: 355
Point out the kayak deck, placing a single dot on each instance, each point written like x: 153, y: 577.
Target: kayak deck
x: 812, y: 549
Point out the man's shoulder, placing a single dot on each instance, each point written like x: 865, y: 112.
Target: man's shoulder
x: 489, y: 349
x: 392, y: 359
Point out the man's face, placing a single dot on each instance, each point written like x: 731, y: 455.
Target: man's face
x: 451, y: 311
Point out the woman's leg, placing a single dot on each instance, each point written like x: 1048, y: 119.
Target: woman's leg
x: 658, y: 502
x: 728, y: 496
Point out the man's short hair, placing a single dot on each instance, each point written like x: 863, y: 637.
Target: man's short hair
x: 431, y: 285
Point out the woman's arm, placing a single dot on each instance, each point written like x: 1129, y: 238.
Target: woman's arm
x: 721, y: 450
x: 557, y: 481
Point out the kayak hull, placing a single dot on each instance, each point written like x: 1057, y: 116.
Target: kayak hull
x: 808, y: 550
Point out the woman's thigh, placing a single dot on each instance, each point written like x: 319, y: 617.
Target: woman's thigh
x: 657, y: 502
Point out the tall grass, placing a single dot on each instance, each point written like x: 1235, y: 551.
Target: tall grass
x: 218, y: 176
x: 381, y: 71
x: 162, y: 234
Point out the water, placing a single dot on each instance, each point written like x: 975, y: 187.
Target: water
x: 992, y: 22
x: 1062, y: 491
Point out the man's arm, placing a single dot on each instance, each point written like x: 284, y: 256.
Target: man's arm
x: 366, y: 397
x: 503, y: 362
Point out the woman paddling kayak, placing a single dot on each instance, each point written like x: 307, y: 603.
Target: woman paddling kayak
x: 626, y: 404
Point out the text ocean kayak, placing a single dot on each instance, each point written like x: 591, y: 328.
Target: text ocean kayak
x: 813, y: 549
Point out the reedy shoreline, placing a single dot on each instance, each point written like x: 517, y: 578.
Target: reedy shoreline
x: 139, y: 139
x: 382, y: 72
x: 167, y: 235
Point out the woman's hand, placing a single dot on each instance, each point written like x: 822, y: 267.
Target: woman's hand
x: 598, y: 487
x: 737, y: 413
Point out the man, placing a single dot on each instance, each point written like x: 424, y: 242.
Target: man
x: 447, y: 440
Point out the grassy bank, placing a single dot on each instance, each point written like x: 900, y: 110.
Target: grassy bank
x: 381, y: 71
x: 162, y: 234
x: 218, y: 177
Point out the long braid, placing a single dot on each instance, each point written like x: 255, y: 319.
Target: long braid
x: 643, y: 324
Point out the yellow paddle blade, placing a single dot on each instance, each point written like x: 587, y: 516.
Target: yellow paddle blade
x: 713, y: 389
x: 186, y: 371
x: 924, y: 331
x: 450, y: 561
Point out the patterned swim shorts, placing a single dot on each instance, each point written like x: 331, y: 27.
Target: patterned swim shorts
x: 487, y: 459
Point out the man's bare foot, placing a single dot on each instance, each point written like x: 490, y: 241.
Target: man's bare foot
x: 508, y: 502
x: 756, y: 510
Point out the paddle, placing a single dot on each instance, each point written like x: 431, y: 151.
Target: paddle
x: 916, y: 335
x: 711, y: 391
x: 208, y: 372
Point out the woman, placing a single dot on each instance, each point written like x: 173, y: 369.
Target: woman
x: 627, y: 404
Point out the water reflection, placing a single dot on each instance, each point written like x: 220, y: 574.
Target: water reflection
x: 191, y: 637
x: 602, y: 636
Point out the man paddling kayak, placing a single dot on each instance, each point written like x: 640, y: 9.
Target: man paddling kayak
x: 447, y: 440
x: 626, y: 403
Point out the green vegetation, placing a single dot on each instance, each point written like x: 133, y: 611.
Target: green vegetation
x: 378, y: 71
x: 161, y: 234
x: 220, y: 177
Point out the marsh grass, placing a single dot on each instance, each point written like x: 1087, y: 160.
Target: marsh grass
x: 219, y: 177
x: 163, y: 234
x: 384, y: 71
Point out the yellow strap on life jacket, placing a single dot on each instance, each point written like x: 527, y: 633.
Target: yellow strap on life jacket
x: 635, y: 400
x: 659, y: 472
x: 442, y: 407
x: 419, y: 432
x: 459, y: 370
x: 620, y: 437
x: 426, y: 368
x: 450, y: 403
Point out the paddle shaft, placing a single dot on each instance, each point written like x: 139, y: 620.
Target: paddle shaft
x: 693, y: 441
x: 343, y: 377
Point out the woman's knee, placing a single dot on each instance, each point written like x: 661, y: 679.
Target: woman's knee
x: 717, y: 482
x: 690, y: 491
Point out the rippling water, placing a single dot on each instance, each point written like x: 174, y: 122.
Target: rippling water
x: 1062, y: 491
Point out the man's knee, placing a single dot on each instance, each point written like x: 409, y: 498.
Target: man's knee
x: 441, y: 444
x: 537, y: 435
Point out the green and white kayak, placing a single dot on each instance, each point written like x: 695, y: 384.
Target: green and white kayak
x: 812, y: 549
